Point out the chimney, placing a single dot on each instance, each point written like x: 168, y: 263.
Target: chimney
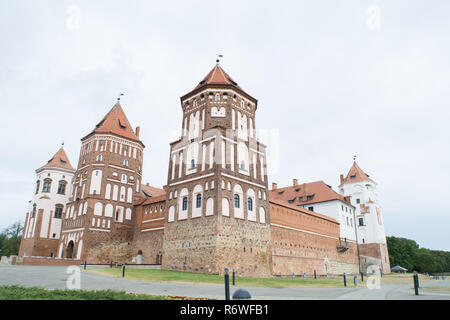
x: 342, y: 178
x: 138, y: 129
x: 274, y: 186
x: 294, y: 182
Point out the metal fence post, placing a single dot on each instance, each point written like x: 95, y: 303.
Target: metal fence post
x: 227, y: 285
x: 233, y: 278
x: 416, y: 283
x: 123, y: 271
x: 345, y: 280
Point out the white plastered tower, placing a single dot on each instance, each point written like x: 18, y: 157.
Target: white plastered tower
x: 362, y: 191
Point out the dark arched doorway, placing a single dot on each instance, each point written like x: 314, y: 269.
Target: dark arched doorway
x: 69, y: 250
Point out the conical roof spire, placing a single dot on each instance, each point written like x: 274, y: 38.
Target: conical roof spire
x: 59, y: 160
x: 217, y: 76
x: 116, y: 122
x: 356, y: 174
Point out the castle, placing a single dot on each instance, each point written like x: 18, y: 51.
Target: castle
x: 216, y: 210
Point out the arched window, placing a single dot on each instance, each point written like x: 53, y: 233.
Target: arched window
x: 242, y: 166
x: 99, y: 157
x: 217, y: 97
x: 236, y: 201
x: 62, y: 187
x: 250, y: 204
x: 198, y: 203
x: 46, y: 186
x: 185, y: 203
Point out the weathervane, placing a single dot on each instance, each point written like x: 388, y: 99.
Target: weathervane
x: 118, y: 98
x: 219, y: 56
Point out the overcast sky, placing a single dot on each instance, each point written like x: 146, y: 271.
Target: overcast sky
x: 332, y: 78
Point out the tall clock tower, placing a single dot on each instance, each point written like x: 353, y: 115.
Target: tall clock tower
x: 217, y: 200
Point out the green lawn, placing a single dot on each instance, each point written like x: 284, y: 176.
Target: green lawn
x: 35, y: 293
x: 189, y: 277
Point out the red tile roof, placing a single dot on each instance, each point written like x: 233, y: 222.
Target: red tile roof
x: 300, y: 209
x: 59, y: 160
x: 306, y: 193
x: 116, y: 122
x: 152, y: 191
x: 356, y: 174
x: 217, y: 76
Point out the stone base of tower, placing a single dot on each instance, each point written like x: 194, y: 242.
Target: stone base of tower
x: 190, y: 245
x: 374, y: 254
x: 243, y: 246
x: 211, y: 244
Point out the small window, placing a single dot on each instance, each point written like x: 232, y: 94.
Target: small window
x: 347, y: 221
x: 37, y: 186
x: 250, y: 204
x: 242, y: 104
x: 353, y: 177
x: 125, y: 162
x: 185, y: 203
x: 309, y: 197
x: 58, y: 212
x: 358, y: 201
x: 361, y: 221
x: 236, y: 201
x: 99, y: 157
x: 311, y: 208
x: 217, y: 97
x: 46, y: 186
x: 62, y: 187
x: 192, y: 164
x: 199, y: 201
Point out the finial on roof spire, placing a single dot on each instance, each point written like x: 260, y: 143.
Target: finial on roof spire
x: 354, y: 158
x: 118, y: 98
x: 219, y: 56
x: 62, y: 144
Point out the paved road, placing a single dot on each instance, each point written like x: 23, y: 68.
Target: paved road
x: 56, y: 278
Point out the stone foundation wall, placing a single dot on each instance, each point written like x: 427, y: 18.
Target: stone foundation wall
x: 190, y: 245
x: 243, y: 246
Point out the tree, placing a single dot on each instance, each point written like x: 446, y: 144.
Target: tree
x: 10, y: 239
x: 408, y: 254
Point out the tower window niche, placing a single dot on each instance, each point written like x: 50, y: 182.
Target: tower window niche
x: 236, y: 201
x: 185, y: 203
